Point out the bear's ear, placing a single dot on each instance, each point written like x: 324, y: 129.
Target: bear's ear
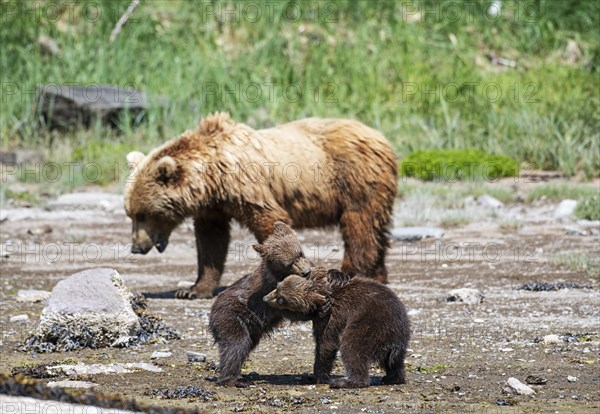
x: 135, y: 157
x: 317, y: 298
x: 281, y: 228
x: 166, y: 168
x: 259, y: 248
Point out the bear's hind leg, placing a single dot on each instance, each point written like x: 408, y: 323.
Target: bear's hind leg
x: 361, y: 250
x: 394, y: 367
x: 357, y: 370
x: 231, y: 358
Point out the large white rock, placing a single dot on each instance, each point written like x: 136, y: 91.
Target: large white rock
x: 489, y: 201
x: 565, y: 209
x: 514, y: 386
x: 92, y: 302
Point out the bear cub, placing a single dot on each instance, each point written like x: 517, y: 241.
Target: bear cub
x: 362, y: 318
x: 239, y: 318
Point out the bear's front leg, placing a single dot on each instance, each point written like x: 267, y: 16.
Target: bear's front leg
x: 212, y: 241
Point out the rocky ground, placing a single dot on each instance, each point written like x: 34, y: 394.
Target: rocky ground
x: 461, y: 355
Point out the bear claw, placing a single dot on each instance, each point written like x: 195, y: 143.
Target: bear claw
x: 185, y: 294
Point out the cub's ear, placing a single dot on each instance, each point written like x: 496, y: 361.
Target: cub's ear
x: 281, y: 228
x: 317, y: 298
x: 166, y: 168
x: 135, y: 157
x: 259, y: 248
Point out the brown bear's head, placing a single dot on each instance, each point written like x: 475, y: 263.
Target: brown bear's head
x: 282, y: 252
x: 156, y: 199
x: 296, y: 294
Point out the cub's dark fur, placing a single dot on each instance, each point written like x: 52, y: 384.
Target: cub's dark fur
x: 239, y: 317
x: 362, y: 318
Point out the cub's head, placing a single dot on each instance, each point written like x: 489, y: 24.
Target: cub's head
x: 296, y: 294
x: 282, y: 253
x: 157, y: 199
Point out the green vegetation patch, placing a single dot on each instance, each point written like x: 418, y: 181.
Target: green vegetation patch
x: 457, y: 165
x: 588, y: 208
x: 557, y: 192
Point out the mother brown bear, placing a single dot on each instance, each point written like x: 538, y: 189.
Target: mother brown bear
x: 308, y: 173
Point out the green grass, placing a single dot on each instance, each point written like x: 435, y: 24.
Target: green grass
x: 588, y: 208
x: 557, y: 192
x: 357, y: 59
x: 580, y: 262
x: 457, y: 165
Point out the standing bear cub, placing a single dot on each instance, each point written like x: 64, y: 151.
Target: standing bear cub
x: 362, y: 318
x: 307, y: 173
x: 239, y: 317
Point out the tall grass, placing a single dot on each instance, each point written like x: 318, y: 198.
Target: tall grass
x: 375, y: 61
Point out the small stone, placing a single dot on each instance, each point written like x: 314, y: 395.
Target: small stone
x: 465, y: 295
x: 412, y: 234
x: 571, y: 378
x: 325, y: 400
x: 160, y: 354
x: 506, y: 349
x: 551, y: 339
x: 514, y: 386
x: 565, y: 209
x: 535, y: 380
x: 195, y: 357
x: 32, y: 295
x: 489, y: 201
x: 70, y: 384
x: 574, y: 231
x: 19, y: 318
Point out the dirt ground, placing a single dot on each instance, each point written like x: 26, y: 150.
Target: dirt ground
x: 460, y: 355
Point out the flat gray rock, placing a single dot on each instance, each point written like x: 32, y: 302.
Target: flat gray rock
x: 489, y: 201
x: 71, y: 384
x: 565, y: 209
x: 411, y: 234
x: 94, y: 369
x: 465, y: 295
x: 516, y: 387
x: 93, y: 305
x: 32, y: 295
x: 86, y: 201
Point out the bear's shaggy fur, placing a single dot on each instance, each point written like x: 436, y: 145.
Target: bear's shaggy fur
x: 308, y: 173
x: 364, y: 319
x: 239, y: 317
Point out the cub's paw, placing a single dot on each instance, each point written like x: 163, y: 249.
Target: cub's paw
x: 185, y: 294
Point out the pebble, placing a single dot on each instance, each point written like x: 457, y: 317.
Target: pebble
x: 19, y: 318
x: 70, y: 384
x: 489, y: 201
x: 571, y: 378
x: 565, y: 209
x: 514, y: 386
x: 465, y: 295
x: 160, y: 354
x: 551, y: 339
x: 195, y: 357
x: 535, y: 380
x: 32, y: 295
x: 412, y: 234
